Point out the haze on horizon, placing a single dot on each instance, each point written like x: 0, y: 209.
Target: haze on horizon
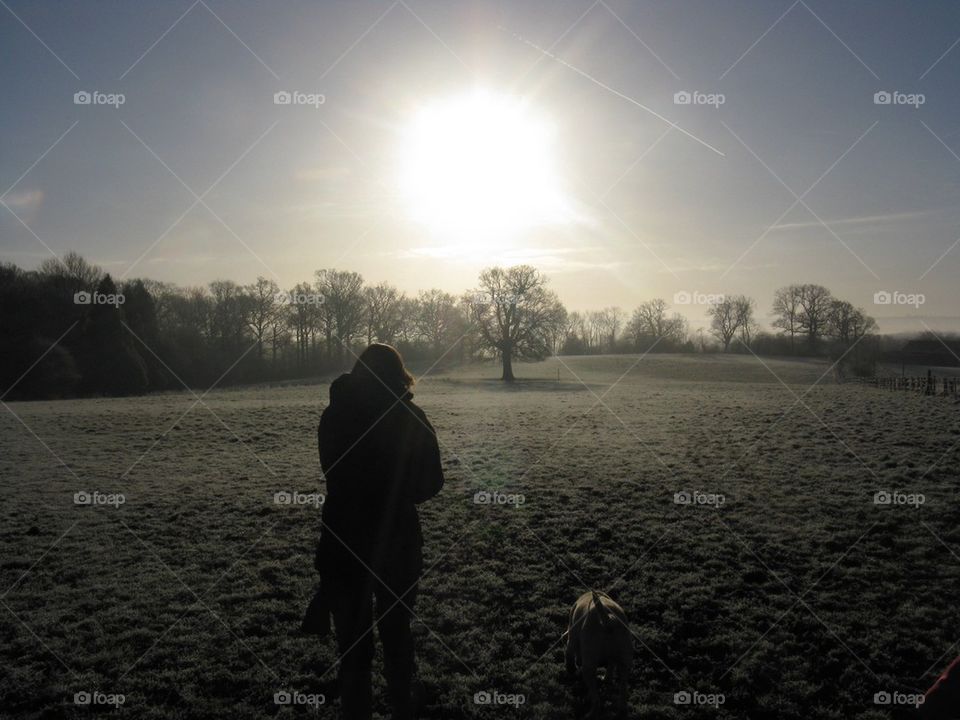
x: 598, y: 173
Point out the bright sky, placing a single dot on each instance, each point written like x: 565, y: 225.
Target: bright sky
x: 582, y: 164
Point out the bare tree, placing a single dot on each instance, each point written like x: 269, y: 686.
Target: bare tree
x: 383, y: 313
x: 574, y: 334
x: 814, y: 301
x: 516, y: 314
x: 279, y: 336
x: 727, y: 317
x: 71, y: 274
x: 230, y: 319
x: 436, y: 319
x: 650, y: 318
x: 408, y: 310
x: 786, y: 306
x: 304, y: 318
x: 264, y: 306
x: 611, y: 321
x: 650, y: 322
x: 747, y: 327
x: 596, y: 327
x: 343, y: 306
x: 847, y: 324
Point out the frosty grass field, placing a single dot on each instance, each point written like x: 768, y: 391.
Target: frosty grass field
x: 794, y: 595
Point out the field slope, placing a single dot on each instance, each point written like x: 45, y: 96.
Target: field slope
x: 783, y: 586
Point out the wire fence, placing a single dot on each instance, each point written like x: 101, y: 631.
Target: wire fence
x: 928, y: 384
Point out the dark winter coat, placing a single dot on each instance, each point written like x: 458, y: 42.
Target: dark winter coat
x: 380, y: 457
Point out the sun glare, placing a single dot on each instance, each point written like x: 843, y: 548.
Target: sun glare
x: 480, y: 167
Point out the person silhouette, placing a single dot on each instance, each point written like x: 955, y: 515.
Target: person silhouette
x: 380, y: 457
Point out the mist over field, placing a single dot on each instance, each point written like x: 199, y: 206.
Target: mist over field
x: 445, y: 360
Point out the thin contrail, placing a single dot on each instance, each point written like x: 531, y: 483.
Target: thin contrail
x: 612, y: 90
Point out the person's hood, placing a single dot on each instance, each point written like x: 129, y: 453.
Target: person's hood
x: 351, y: 392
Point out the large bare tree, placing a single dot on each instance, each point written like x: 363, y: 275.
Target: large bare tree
x: 384, y: 312
x: 731, y: 316
x: 786, y: 306
x: 72, y: 272
x: 515, y: 314
x: 343, y: 307
x: 650, y: 322
x: 847, y: 324
x: 611, y: 324
x: 436, y: 319
x: 748, y: 327
x: 265, y: 305
x: 815, y: 302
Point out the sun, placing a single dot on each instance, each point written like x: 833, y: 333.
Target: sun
x: 480, y: 167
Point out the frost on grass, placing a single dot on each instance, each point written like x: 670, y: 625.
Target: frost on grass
x: 797, y: 589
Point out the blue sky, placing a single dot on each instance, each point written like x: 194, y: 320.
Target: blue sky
x: 295, y: 188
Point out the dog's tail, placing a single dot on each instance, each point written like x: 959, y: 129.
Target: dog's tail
x: 606, y: 619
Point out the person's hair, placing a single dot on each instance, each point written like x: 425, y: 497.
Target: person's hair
x: 384, y: 361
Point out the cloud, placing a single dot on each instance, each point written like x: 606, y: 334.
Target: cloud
x: 24, y: 200
x: 856, y: 221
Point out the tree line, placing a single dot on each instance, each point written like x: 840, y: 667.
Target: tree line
x: 808, y: 320
x: 68, y: 329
